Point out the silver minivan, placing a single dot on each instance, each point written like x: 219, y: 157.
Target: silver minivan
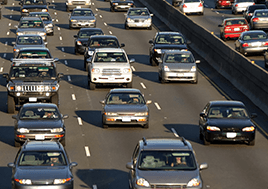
x: 176, y: 65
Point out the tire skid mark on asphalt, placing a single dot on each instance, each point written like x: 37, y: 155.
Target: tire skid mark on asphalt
x: 157, y: 106
x: 87, y: 152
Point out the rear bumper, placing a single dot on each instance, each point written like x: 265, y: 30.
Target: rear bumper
x: 175, y: 76
x: 256, y: 25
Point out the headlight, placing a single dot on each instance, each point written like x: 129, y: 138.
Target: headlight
x: 130, y: 3
x: 24, y: 10
x: 92, y: 20
x: 110, y: 113
x: 115, y: 3
x: 56, y: 130
x: 159, y: 51
x: 193, y: 69
x: 24, y: 181
x: 73, y: 20
x: 19, y: 33
x: 90, y: 53
x: 55, y: 87
x: 130, y: 20
x: 127, y: 70
x: 148, y: 20
x: 95, y: 70
x: 16, y: 50
x: 49, y: 25
x: 44, y: 10
x: 166, y: 68
x: 248, y: 129
x: 141, y: 114
x: 18, y: 88
x: 194, y: 182
x: 142, y: 182
x: 213, y: 128
x: 11, y: 88
x: 78, y: 42
x: 61, y: 181
x: 23, y: 130
x: 42, y: 34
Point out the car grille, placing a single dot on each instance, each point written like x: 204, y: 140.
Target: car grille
x: 32, y: 88
x: 138, y: 20
x: 168, y: 187
x: 84, y: 21
x: 126, y: 114
x: 39, y: 131
x: 230, y: 129
x: 79, y: 3
x: 42, y: 182
x: 111, y: 71
x: 30, y: 33
x: 180, y: 71
x: 84, y: 43
x: 122, y: 3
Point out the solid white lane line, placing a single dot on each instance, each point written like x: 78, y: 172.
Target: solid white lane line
x: 62, y: 49
x: 5, y: 55
x: 60, y: 38
x: 175, y: 132
x: 8, y: 33
x: 87, y: 151
x: 9, y: 24
x: 100, y: 16
x: 133, y: 69
x: 143, y: 86
x: 73, y: 97
x: 69, y: 78
x: 94, y: 186
x: 58, y: 28
x: 65, y: 62
x: 157, y: 106
x: 1, y: 69
x: 110, y: 32
x: 105, y: 23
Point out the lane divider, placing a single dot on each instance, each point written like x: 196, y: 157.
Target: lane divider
x: 175, y: 132
x: 79, y: 121
x: 87, y: 151
x: 60, y: 38
x: 143, y: 86
x: 110, y: 32
x: 157, y: 106
x: 69, y: 78
x: 73, y: 97
x: 1, y: 69
x: 8, y: 33
x: 65, y: 61
x: 133, y: 69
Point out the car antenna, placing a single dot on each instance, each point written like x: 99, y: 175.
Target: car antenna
x: 144, y: 141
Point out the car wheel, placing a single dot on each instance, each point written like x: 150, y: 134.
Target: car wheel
x: 75, y: 52
x: 153, y: 63
x: 205, y: 141
x: 251, y: 143
x: 150, y: 28
x: 126, y: 27
x: 10, y: 104
x: 86, y: 66
x: 129, y: 85
x: 163, y: 81
x: 91, y: 86
x: 146, y: 126
x: 67, y: 9
x: 159, y: 78
x: 112, y: 9
x: 194, y: 82
x: 201, y: 13
x: 235, y: 12
x: 17, y: 144
x: 55, y: 99
x: 70, y: 27
x: 105, y: 126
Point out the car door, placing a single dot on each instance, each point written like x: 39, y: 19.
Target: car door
x: 134, y: 160
x: 203, y: 119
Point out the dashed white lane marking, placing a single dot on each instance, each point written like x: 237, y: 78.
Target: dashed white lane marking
x: 105, y: 23
x: 100, y: 16
x: 217, y: 12
x: 57, y: 20
x: 92, y: 3
x: 157, y: 106
x: 13, y: 3
x: 8, y: 33
x: 143, y: 86
x: 53, y: 1
x: 94, y: 186
x: 5, y: 55
x: 62, y: 49
x: 9, y: 24
x: 10, y: 16
x: 110, y: 32
x: 6, y: 43
x: 65, y: 62
x: 87, y: 152
x: 69, y: 78
x: 1, y: 69
x: 55, y: 13
x: 79, y: 121
x: 60, y: 38
x: 97, y: 9
x: 133, y: 69
x: 73, y: 97
x: 12, y: 10
x: 58, y: 28
x: 175, y: 132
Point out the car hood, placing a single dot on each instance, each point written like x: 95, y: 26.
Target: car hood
x: 125, y: 108
x: 23, y: 46
x: 228, y: 122
x: 120, y: 1
x: 34, y: 7
x: 40, y: 124
x: 170, y: 46
x: 82, y: 18
x: 168, y: 177
x: 31, y: 30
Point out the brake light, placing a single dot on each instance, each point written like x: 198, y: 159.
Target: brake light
x: 253, y: 3
x: 184, y: 6
x: 236, y: 5
x: 255, y: 19
x: 250, y: 14
x: 266, y: 44
x: 200, y: 5
x: 245, y: 45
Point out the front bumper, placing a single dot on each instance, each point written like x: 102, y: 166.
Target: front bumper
x: 179, y: 76
x: 58, y: 186
x: 111, y: 79
x: 49, y: 30
x: 180, y: 186
x: 121, y: 7
x: 82, y: 24
x: 139, y: 24
x: 32, y: 96
x: 125, y: 120
x: 38, y: 136
x: 229, y: 136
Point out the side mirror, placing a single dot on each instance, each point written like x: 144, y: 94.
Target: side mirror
x: 129, y: 165
x: 203, y: 166
x: 131, y: 60
x: 122, y: 45
x: 102, y: 102
x: 151, y: 14
x: 75, y: 36
x: 65, y: 116
x: 5, y: 75
x: 14, y: 117
x: 151, y: 41
x: 73, y: 164
x: 11, y: 165
x: 148, y: 102
x: 60, y: 75
x: 197, y: 61
x: 11, y: 59
x: 202, y: 114
x: 69, y: 14
x: 13, y: 42
x: 253, y: 115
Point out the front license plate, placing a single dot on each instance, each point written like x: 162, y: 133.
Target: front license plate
x: 111, y: 78
x: 32, y: 99
x: 82, y: 24
x: 79, y: 7
x: 39, y: 137
x: 180, y: 74
x: 230, y: 135
x: 126, y: 119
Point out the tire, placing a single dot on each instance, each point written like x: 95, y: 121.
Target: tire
x: 86, y: 67
x: 17, y: 144
x: 146, y: 126
x: 129, y: 85
x: 251, y: 143
x: 206, y: 143
x: 91, y: 86
x: 55, y: 99
x: 201, y: 13
x: 126, y: 27
x: 235, y: 12
x: 67, y: 9
x: 153, y: 63
x: 112, y: 9
x: 163, y: 81
x: 159, y: 78
x: 10, y: 104
x: 194, y: 82
x: 63, y: 142
x: 150, y: 28
x: 75, y: 52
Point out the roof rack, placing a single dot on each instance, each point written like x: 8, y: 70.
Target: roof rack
x: 144, y: 141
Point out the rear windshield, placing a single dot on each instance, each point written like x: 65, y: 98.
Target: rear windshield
x: 31, y: 24
x: 31, y: 40
x: 179, y: 58
x: 110, y: 57
x: 238, y: 22
x: 87, y: 34
x: 261, y: 13
x: 254, y: 36
x: 104, y: 42
x: 34, y: 54
x: 169, y: 39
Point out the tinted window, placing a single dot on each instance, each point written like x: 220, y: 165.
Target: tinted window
x: 110, y: 57
x: 82, y: 13
x: 169, y: 39
x: 125, y: 98
x: 87, y: 34
x: 34, y: 54
x: 254, y: 36
x: 179, y: 58
x: 32, y: 72
x: 227, y: 112
x: 138, y: 12
x: 31, y: 24
x: 39, y: 113
x: 104, y: 42
x: 261, y: 14
x: 34, y: 40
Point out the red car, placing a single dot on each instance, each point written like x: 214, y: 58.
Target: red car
x: 223, y: 3
x: 233, y: 27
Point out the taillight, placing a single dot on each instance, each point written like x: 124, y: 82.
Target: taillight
x: 266, y: 44
x: 250, y: 14
x: 253, y: 3
x: 200, y: 5
x: 236, y: 5
x: 245, y: 45
x: 184, y: 6
x: 255, y: 19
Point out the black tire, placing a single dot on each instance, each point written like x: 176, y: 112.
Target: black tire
x: 67, y: 9
x: 17, y: 144
x: 146, y: 126
x: 10, y: 105
x: 63, y: 142
x: 105, y: 126
x: 163, y: 81
x: 200, y: 135
x: 150, y: 28
x: 129, y: 85
x: 55, y: 99
x: 91, y: 86
x: 251, y: 143
x: 153, y: 63
x: 126, y: 27
x: 51, y: 34
x: 75, y: 52
x: 159, y: 78
x: 70, y: 27
x: 201, y: 13
x: 206, y: 143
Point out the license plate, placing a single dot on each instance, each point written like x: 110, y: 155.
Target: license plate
x: 256, y: 44
x: 230, y: 135
x: 39, y: 137
x: 32, y: 99
x: 139, y: 24
x: 82, y: 24
x: 126, y: 119
x: 111, y: 78
x: 237, y: 29
x: 79, y: 7
x: 180, y: 74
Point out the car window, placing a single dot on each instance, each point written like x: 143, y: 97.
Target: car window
x: 138, y: 12
x: 33, y: 72
x: 34, y: 2
x: 104, y: 42
x: 261, y: 14
x: 87, y: 34
x: 110, y: 57
x: 254, y: 36
x: 170, y: 39
x: 178, y: 58
x: 34, y: 54
x: 34, y: 40
x: 167, y: 160
x: 125, y: 98
x: 31, y: 24
x: 236, y: 22
x: 82, y: 13
x: 227, y: 112
x: 39, y: 113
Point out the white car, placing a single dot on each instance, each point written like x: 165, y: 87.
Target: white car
x: 192, y: 6
x: 240, y: 6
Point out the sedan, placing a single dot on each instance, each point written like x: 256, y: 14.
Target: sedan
x: 233, y: 27
x: 250, y: 10
x: 223, y: 3
x: 33, y: 6
x: 48, y: 21
x: 82, y: 17
x: 138, y: 18
x: 259, y: 19
x: 39, y: 121
x: 121, y: 5
x: 252, y: 42
x: 240, y: 6
x: 226, y: 121
x: 125, y: 106
x: 192, y: 6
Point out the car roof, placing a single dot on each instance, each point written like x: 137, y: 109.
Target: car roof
x: 31, y: 105
x: 103, y: 36
x: 109, y: 50
x: 122, y: 90
x: 177, y: 52
x: 38, y: 12
x: 226, y: 103
x: 253, y: 31
x: 42, y: 146
x: 236, y: 18
x: 168, y: 33
x: 261, y: 10
x: 94, y: 29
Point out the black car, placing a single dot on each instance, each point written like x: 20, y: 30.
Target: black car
x: 120, y: 5
x: 226, y: 121
x: 165, y: 41
x: 42, y: 164
x: 100, y: 41
x: 250, y: 10
x: 82, y: 37
x: 39, y: 121
x: 28, y: 6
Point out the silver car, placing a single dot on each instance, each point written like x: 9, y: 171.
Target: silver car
x: 48, y: 21
x: 83, y: 17
x: 125, y: 106
x: 259, y: 19
x: 177, y: 65
x: 239, y: 6
x: 138, y: 18
x: 192, y: 6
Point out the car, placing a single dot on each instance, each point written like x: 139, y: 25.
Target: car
x: 177, y: 65
x: 109, y: 66
x: 226, y: 120
x: 164, y: 163
x: 42, y: 164
x: 34, y: 53
x: 82, y: 17
x: 32, y: 80
x: 232, y: 28
x: 125, y: 107
x: 23, y: 41
x: 138, y: 18
x: 121, y: 5
x: 72, y: 4
x: 81, y: 39
x: 39, y: 121
x: 248, y: 13
x: 259, y: 19
x: 254, y: 41
x: 176, y: 2
x: 48, y: 21
x: 3, y: 2
x: 266, y: 59
x: 28, y: 6
x: 31, y: 25
x: 163, y: 41
x: 97, y: 42
x: 192, y: 6
x: 239, y: 6
x: 223, y: 3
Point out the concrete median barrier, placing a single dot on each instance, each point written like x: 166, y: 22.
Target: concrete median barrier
x: 246, y: 76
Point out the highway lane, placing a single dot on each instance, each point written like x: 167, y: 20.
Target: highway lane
x: 109, y: 150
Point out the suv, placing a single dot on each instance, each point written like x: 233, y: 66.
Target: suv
x: 164, y: 162
x: 72, y: 4
x: 41, y: 164
x: 109, y: 66
x: 32, y: 80
x: 28, y: 6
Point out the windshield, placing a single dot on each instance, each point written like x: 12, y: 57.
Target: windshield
x: 227, y: 112
x: 239, y: 22
x: 179, y: 58
x: 254, y: 36
x: 42, y: 158
x: 34, y: 40
x: 110, y: 57
x: 125, y: 98
x: 31, y: 24
x: 32, y: 71
x: 166, y: 160
x: 138, y: 12
x: 261, y: 14
x: 87, y: 34
x: 104, y: 42
x: 169, y: 39
x: 39, y: 113
x: 44, y: 17
x: 34, y: 54
x: 82, y: 13
x: 34, y: 2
